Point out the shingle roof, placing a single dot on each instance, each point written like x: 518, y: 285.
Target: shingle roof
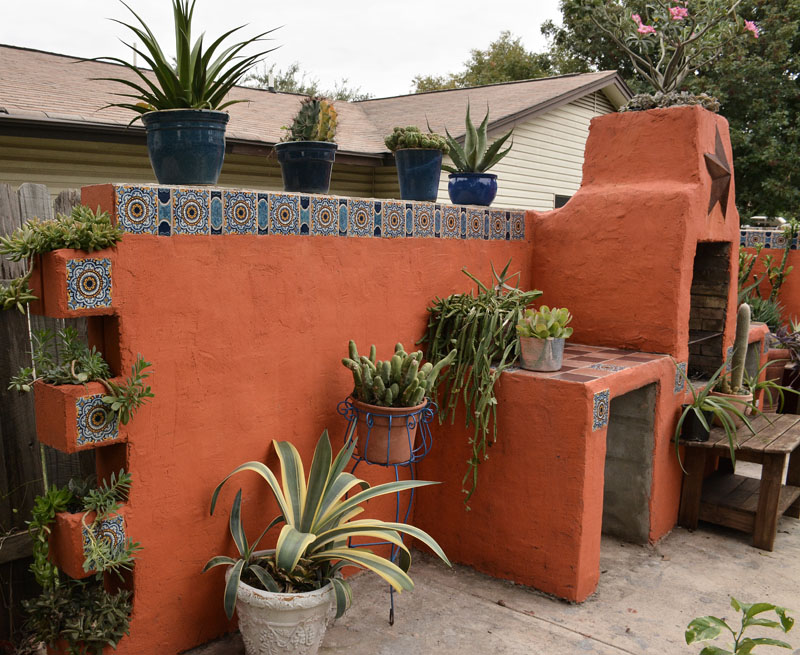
x: 62, y: 89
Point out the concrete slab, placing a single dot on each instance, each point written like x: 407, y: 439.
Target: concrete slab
x: 646, y: 596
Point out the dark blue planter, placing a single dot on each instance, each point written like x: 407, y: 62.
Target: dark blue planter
x: 306, y: 165
x: 418, y: 171
x: 186, y: 146
x: 472, y: 188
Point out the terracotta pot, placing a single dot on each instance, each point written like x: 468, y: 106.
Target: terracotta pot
x: 741, y: 400
x: 68, y: 539
x: 386, y: 435
x: 72, y: 417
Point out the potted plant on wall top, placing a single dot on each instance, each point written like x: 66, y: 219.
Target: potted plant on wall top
x: 307, y: 152
x: 289, y: 591
x: 542, y: 334
x: 388, y: 398
x: 418, y: 158
x: 470, y: 184
x: 181, y: 104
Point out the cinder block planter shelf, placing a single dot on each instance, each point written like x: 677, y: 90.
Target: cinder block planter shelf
x: 73, y: 417
x: 69, y: 539
x: 73, y: 283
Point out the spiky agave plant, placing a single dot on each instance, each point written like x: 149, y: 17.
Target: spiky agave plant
x: 199, y: 78
x: 474, y: 156
x: 318, y: 521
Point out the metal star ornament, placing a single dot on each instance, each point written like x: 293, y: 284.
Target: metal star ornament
x: 720, y: 171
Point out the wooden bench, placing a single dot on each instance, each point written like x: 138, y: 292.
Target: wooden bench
x: 734, y: 500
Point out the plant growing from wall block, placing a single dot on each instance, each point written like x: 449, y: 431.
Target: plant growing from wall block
x: 181, y: 104
x: 299, y: 581
x: 389, y: 398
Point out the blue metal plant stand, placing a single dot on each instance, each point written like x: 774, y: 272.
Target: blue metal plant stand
x: 415, y: 427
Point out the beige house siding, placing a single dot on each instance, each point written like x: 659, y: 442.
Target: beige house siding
x: 72, y: 164
x: 547, y: 157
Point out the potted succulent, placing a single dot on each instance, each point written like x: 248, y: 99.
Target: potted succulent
x: 290, y: 590
x: 388, y: 398
x: 307, y: 152
x: 732, y: 386
x: 542, y: 334
x: 181, y: 103
x: 470, y: 184
x: 418, y: 158
x: 789, y: 340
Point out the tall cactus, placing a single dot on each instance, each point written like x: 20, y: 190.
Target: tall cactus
x: 740, y: 347
x: 316, y: 120
x: 402, y: 381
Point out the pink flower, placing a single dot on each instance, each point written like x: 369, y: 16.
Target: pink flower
x: 678, y: 13
x: 646, y: 29
x: 750, y: 26
x: 637, y: 19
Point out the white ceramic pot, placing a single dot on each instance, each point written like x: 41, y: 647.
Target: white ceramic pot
x: 275, y: 624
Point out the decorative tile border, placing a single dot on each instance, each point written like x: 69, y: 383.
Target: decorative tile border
x: 167, y: 211
x: 88, y: 283
x: 680, y: 382
x: 110, y: 531
x: 607, y: 367
x: 765, y: 348
x: 769, y: 238
x: 96, y: 421
x: 600, y: 410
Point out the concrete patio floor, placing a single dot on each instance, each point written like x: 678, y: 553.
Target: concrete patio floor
x: 646, y: 596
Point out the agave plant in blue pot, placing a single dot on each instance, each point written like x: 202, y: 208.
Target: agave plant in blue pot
x: 181, y: 102
x: 418, y: 157
x: 469, y: 183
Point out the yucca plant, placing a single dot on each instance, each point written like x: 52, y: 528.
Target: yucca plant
x: 198, y: 79
x: 318, y: 522
x: 474, y: 156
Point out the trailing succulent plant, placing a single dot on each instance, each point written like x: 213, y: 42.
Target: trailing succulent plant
x: 734, y: 383
x: 315, y: 121
x: 402, y: 381
x: 474, y: 156
x: 545, y: 323
x: 412, y: 137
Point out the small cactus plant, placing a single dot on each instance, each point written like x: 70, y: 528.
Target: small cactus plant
x: 315, y: 121
x: 733, y: 383
x: 411, y: 137
x: 545, y: 323
x: 403, y: 381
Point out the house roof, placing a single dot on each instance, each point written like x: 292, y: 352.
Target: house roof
x: 55, y: 91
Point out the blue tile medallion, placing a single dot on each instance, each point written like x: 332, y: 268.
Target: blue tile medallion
x: 498, y: 223
x: 517, y: 225
x: 424, y: 219
x: 110, y: 532
x: 284, y: 214
x: 475, y: 223
x: 361, y: 218
x: 137, y: 209
x: 451, y: 222
x: 600, y: 410
x: 607, y: 367
x: 324, y: 216
x: 680, y: 382
x: 394, y: 219
x: 95, y: 420
x: 88, y: 283
x: 191, y: 211
x: 240, y: 212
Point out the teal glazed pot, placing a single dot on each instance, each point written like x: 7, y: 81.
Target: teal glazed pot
x: 418, y: 172
x: 186, y: 146
x: 306, y: 165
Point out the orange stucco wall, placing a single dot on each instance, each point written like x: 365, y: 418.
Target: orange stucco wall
x: 246, y: 334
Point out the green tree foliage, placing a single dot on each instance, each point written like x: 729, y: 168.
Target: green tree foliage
x: 505, y: 60
x: 757, y: 84
x: 294, y: 80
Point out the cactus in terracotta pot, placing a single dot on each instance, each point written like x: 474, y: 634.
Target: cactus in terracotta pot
x: 734, y: 383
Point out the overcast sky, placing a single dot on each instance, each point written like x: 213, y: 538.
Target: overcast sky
x: 378, y: 45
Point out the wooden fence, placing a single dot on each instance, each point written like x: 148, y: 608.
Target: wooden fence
x: 21, y: 459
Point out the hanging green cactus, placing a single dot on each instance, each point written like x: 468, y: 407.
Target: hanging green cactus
x: 316, y: 120
x: 402, y: 381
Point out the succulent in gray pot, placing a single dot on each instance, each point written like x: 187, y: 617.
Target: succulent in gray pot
x: 469, y: 183
x: 418, y: 157
x: 181, y: 102
x: 542, y: 334
x: 307, y: 152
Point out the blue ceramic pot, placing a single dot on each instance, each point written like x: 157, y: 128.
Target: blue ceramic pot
x: 472, y: 188
x: 186, y: 146
x: 306, y: 165
x: 418, y: 171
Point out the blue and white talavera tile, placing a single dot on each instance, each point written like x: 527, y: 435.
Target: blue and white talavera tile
x: 451, y: 222
x: 517, y: 225
x: 475, y: 223
x: 680, y: 381
x: 137, y: 209
x: 108, y: 532
x: 239, y: 209
x: 96, y: 421
x: 394, y: 218
x: 424, y: 219
x: 284, y: 213
x: 89, y: 283
x: 324, y: 216
x: 191, y: 211
x: 498, y: 223
x: 361, y: 218
x: 600, y: 410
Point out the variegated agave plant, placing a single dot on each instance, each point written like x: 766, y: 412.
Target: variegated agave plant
x: 312, y: 546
